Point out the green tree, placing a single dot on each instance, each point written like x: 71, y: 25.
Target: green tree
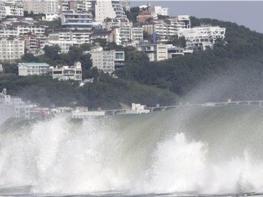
x: 52, y: 52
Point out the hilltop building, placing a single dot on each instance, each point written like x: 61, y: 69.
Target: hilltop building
x: 67, y: 39
x: 77, y: 20
x: 64, y: 73
x: 11, y: 49
x: 48, y: 7
x: 14, y: 8
x: 202, y: 37
x: 160, y: 52
x: 127, y: 35
x: 28, y: 69
x: 107, y: 61
x: 108, y: 9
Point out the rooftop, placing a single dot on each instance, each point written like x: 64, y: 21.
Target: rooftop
x: 34, y: 64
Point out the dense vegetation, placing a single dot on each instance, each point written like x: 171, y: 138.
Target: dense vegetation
x: 105, y: 92
x: 233, y: 69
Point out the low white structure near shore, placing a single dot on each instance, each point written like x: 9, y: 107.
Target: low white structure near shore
x: 84, y: 113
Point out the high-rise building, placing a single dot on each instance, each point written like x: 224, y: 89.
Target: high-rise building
x: 42, y: 6
x: 14, y: 8
x: 108, y: 9
x: 2, y: 10
x: 103, y: 10
x: 88, y: 5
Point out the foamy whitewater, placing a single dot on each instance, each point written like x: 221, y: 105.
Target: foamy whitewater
x: 202, y: 150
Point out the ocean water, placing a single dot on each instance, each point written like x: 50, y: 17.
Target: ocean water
x: 188, y: 150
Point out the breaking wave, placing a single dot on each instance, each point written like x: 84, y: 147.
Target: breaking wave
x: 201, y: 150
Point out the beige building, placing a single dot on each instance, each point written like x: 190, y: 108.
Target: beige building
x: 11, y: 49
x: 107, y: 61
x: 42, y: 6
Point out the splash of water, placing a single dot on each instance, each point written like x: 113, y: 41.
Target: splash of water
x: 57, y: 156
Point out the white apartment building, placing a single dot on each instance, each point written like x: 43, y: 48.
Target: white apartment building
x: 161, y: 52
x: 107, y: 61
x: 77, y: 5
x: 18, y: 30
x: 29, y: 69
x: 155, y: 52
x: 31, y: 29
x: 14, y: 8
x: 118, y: 8
x: 158, y: 10
x: 167, y: 29
x: 103, y: 10
x: 49, y: 7
x: 88, y: 5
x: 64, y: 45
x: 108, y: 9
x: 77, y: 20
x: 1, y: 68
x: 11, y: 49
x: 137, y: 34
x: 64, y: 73
x: 116, y: 23
x: 2, y: 10
x: 128, y: 35
x: 182, y: 21
x: 67, y: 39
x: 202, y: 37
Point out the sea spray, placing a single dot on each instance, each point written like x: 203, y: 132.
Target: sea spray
x: 171, y: 151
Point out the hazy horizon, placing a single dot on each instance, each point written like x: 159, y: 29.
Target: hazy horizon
x: 242, y: 12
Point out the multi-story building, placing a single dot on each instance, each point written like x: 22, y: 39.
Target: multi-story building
x: 202, y: 37
x: 35, y: 44
x: 67, y: 39
x: 78, y: 5
x: 64, y: 73
x: 11, y: 49
x: 107, y: 61
x: 118, y: 8
x: 137, y: 34
x: 14, y: 8
x: 77, y: 20
x: 108, y: 9
x: 29, y: 69
x: 21, y: 29
x: 128, y: 35
x: 165, y: 29
x: 103, y: 10
x: 160, y: 52
x: 2, y: 10
x: 116, y: 23
x: 88, y: 5
x: 158, y: 11
x: 49, y: 7
x: 1, y: 68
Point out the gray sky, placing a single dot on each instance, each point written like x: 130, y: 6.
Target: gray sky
x: 247, y: 13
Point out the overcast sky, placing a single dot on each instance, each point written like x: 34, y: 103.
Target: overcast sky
x: 248, y: 13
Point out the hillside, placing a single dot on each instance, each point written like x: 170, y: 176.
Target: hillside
x: 238, y: 65
x: 234, y: 70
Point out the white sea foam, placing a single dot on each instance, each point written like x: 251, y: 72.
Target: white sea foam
x: 58, y: 157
